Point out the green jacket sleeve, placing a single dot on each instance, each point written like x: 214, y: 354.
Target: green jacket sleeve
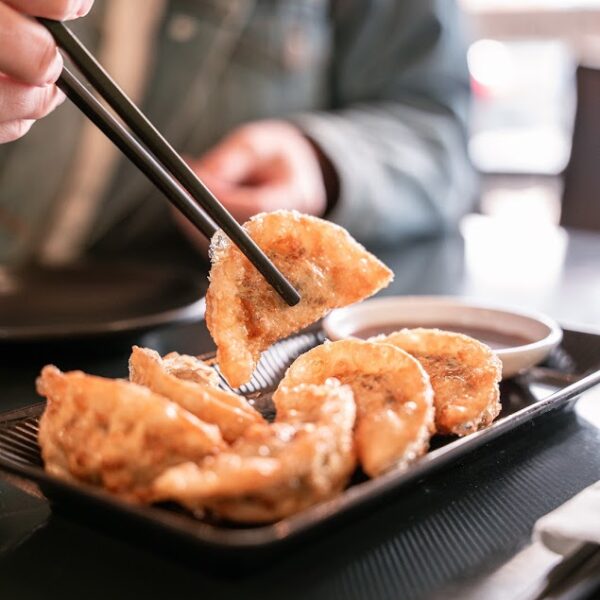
x: 397, y: 132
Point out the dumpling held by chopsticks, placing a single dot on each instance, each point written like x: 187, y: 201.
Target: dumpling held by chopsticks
x: 245, y: 315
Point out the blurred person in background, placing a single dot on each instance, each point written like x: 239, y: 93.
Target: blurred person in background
x: 354, y: 110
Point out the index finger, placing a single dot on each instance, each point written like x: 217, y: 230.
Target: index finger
x: 61, y: 10
x: 28, y: 52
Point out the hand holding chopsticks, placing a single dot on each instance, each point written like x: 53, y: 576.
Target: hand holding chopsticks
x: 154, y: 156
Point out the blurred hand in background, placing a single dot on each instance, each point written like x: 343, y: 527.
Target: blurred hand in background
x: 30, y: 62
x: 264, y: 166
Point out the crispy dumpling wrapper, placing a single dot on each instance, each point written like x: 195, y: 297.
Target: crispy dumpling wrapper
x: 393, y: 396
x: 193, y: 385
x: 275, y: 470
x: 245, y: 315
x: 464, y: 374
x: 116, y: 434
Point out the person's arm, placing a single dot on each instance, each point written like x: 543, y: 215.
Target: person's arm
x: 397, y: 134
x: 388, y: 159
x: 30, y: 62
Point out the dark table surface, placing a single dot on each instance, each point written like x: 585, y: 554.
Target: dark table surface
x: 462, y: 523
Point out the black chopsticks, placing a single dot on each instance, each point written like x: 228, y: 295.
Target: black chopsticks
x: 157, y: 160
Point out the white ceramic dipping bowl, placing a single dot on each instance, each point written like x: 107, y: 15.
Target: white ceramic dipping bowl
x: 534, y: 335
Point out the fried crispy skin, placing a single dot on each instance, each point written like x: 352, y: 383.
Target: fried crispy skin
x: 116, y: 434
x: 189, y: 368
x: 464, y: 375
x: 184, y: 380
x: 245, y: 315
x: 393, y: 396
x: 276, y: 470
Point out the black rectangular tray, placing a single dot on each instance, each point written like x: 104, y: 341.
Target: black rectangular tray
x: 572, y: 369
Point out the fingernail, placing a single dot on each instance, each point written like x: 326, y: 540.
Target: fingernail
x: 27, y: 125
x: 85, y: 8
x: 56, y: 68
x: 60, y: 97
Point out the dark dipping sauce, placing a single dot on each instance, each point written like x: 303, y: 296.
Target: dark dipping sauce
x: 497, y: 340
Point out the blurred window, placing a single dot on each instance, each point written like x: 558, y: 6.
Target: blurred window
x: 522, y: 60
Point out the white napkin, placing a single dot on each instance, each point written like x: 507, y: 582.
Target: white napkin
x: 572, y: 524
x: 555, y: 536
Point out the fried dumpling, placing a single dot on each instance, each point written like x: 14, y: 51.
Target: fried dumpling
x: 393, y: 396
x: 275, y: 470
x: 464, y: 375
x: 116, y: 434
x: 186, y: 381
x: 245, y: 315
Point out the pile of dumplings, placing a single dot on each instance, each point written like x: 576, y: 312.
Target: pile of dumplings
x: 174, y: 433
